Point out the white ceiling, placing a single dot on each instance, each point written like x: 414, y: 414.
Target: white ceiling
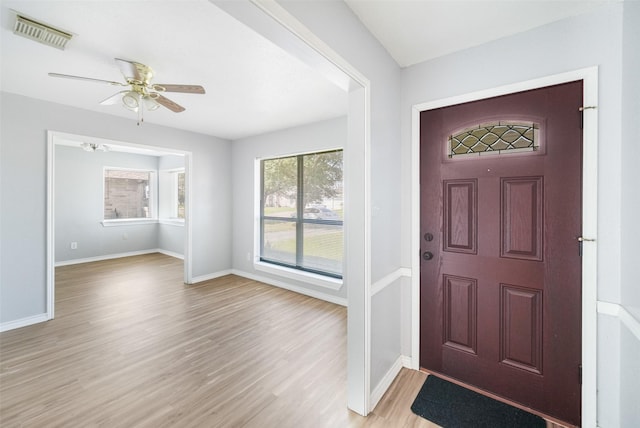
x: 414, y: 31
x: 252, y: 85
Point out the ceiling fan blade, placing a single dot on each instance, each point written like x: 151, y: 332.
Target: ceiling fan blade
x: 86, y: 79
x: 188, y: 89
x: 113, y: 99
x: 135, y: 71
x: 171, y: 105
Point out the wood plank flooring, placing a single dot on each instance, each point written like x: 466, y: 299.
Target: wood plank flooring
x: 132, y: 346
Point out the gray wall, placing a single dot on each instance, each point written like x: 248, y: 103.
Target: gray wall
x: 629, y: 266
x: 23, y: 181
x: 587, y: 40
x: 171, y: 236
x: 171, y: 239
x: 79, y: 205
x: 339, y: 28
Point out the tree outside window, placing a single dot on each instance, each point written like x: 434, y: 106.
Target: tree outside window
x: 302, y: 212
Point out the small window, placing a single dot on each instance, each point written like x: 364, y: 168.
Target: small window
x: 127, y: 194
x: 171, y: 191
x: 494, y: 139
x: 301, y: 212
x: 180, y: 188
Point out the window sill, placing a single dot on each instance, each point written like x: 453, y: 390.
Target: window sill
x: 172, y: 221
x: 128, y: 222
x: 307, y: 277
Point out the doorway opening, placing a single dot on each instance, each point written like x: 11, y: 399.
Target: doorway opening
x: 83, y: 226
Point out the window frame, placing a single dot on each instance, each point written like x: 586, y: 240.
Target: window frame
x: 153, y: 198
x: 315, y: 276
x: 168, y: 212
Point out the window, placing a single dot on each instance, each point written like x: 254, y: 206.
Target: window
x: 301, y: 212
x: 495, y: 138
x: 127, y: 194
x: 171, y: 191
x: 179, y: 202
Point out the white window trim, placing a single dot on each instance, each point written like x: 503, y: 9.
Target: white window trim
x: 171, y: 221
x: 299, y: 275
x: 128, y: 221
x: 153, y: 198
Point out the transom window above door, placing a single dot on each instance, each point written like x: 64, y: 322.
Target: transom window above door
x: 494, y: 138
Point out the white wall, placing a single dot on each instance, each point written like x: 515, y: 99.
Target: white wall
x: 594, y: 39
x: 337, y: 26
x: 319, y: 136
x: 630, y: 226
x: 23, y: 166
x: 79, y: 205
x: 170, y: 236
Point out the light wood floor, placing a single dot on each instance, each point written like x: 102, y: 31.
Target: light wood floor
x: 132, y: 346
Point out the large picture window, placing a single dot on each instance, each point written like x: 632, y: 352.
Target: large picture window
x: 302, y: 212
x: 127, y: 194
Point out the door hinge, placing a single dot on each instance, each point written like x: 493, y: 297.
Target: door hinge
x: 581, y: 110
x: 580, y: 373
x: 581, y: 240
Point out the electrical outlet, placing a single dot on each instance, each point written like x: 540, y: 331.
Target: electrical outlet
x: 248, y: 257
x: 74, y: 245
x: 125, y: 236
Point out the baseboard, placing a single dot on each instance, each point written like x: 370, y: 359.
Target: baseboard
x: 385, y: 383
x: 118, y: 256
x: 296, y: 289
x: 23, y: 322
x: 170, y: 253
x: 214, y: 275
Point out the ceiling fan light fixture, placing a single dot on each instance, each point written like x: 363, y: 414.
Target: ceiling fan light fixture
x: 92, y: 147
x: 131, y: 100
x: 150, y: 103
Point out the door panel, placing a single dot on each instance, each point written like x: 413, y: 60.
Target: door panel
x: 460, y: 216
x: 460, y: 308
x: 521, y: 226
x: 500, y: 296
x: 521, y: 327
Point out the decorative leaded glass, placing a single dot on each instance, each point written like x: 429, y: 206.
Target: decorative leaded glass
x: 494, y: 138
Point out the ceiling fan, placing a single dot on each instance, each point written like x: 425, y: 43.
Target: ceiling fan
x: 142, y: 94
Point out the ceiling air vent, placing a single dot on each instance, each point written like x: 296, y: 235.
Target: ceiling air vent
x: 41, y: 32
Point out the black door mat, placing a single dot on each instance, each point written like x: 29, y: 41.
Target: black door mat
x: 452, y: 406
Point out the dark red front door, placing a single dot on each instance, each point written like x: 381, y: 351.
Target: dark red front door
x: 501, y: 277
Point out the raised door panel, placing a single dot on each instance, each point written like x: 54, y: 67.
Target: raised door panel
x: 460, y: 313
x: 460, y: 216
x: 521, y: 218
x: 521, y: 327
